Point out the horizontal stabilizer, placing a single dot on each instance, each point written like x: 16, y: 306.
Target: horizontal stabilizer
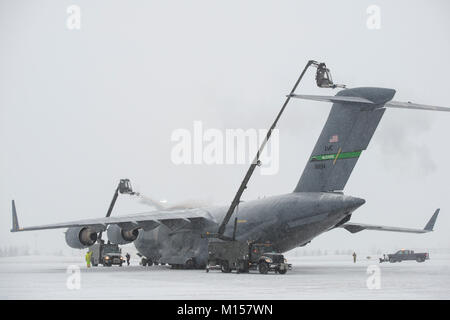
x: 331, y: 98
x: 389, y: 104
x: 357, y: 227
x: 410, y: 105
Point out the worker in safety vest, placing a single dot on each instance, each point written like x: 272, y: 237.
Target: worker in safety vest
x: 88, y: 258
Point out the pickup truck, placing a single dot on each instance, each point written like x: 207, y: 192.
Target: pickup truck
x: 402, y: 255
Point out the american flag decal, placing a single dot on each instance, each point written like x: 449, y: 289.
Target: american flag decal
x: 334, y: 138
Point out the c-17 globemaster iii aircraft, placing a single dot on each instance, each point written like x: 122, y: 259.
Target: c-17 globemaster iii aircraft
x: 316, y: 205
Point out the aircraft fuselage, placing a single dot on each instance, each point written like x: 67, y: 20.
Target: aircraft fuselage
x: 287, y: 221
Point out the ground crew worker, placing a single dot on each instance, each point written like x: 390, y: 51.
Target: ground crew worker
x: 88, y: 258
x: 354, y: 257
x: 128, y: 258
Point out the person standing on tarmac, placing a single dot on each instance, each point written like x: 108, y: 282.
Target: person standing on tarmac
x: 354, y: 257
x: 128, y: 258
x: 88, y: 258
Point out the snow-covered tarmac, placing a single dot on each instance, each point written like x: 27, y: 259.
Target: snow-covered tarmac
x: 320, y: 277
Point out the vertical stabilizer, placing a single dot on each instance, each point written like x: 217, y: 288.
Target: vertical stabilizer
x: 351, y: 124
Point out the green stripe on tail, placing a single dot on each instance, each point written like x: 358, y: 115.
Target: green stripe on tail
x: 342, y: 155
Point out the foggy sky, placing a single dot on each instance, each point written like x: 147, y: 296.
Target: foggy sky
x: 81, y: 109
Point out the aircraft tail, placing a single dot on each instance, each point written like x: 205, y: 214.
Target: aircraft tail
x: 350, y: 126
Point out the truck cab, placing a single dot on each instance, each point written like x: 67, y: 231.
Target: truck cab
x: 106, y: 254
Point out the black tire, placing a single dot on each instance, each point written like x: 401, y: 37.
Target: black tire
x: 149, y: 262
x: 263, y: 267
x: 225, y: 267
x: 282, y: 271
x: 190, y: 264
x: 243, y: 270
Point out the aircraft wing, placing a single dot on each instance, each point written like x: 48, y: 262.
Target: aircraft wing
x: 357, y: 227
x: 145, y: 220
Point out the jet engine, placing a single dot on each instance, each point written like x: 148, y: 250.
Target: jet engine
x: 117, y: 235
x: 80, y: 237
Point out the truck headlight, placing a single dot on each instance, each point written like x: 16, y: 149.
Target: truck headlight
x: 106, y: 258
x: 268, y: 260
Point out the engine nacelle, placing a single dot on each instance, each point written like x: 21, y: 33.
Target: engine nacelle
x: 117, y: 235
x: 80, y: 237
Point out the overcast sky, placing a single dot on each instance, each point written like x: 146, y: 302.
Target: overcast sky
x: 81, y: 109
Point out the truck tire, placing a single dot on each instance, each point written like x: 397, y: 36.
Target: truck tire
x: 420, y: 260
x: 190, y: 264
x: 224, y: 267
x: 282, y: 271
x: 263, y: 267
x: 243, y: 267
